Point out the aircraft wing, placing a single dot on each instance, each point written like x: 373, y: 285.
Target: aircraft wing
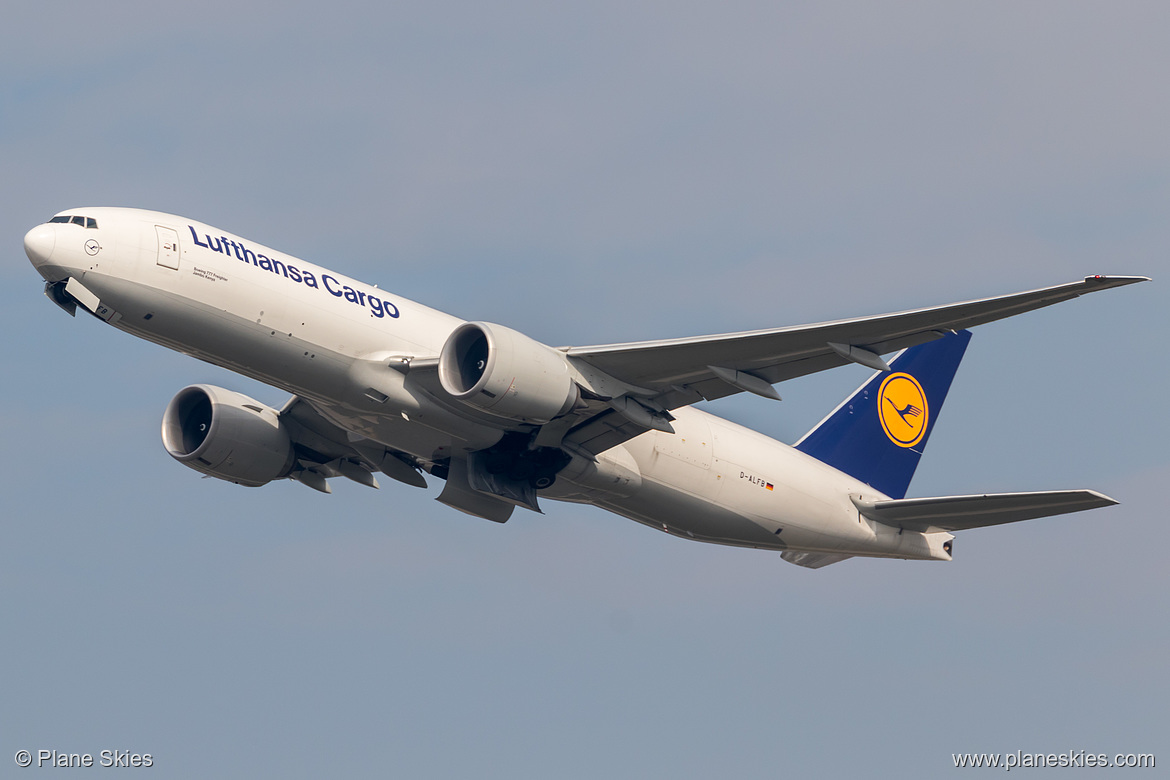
x: 959, y: 513
x: 325, y: 449
x: 778, y: 354
x: 676, y: 372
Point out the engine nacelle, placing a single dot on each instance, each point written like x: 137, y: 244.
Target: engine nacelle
x: 227, y: 435
x: 505, y: 373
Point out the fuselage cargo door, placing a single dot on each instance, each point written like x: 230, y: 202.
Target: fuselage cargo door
x: 168, y: 247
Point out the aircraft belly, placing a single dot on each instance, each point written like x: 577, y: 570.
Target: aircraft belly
x: 689, y: 516
x: 282, y: 360
x: 715, y: 481
x: 220, y: 337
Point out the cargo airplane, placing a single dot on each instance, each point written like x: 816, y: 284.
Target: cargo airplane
x: 382, y: 384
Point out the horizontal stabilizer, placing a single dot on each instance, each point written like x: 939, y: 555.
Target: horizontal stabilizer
x: 958, y: 513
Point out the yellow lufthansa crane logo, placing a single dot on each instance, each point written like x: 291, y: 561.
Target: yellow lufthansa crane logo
x: 903, y: 410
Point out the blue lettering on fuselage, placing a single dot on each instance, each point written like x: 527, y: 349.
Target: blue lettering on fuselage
x: 221, y: 244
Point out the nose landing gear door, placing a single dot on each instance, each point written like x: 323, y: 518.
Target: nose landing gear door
x: 168, y: 247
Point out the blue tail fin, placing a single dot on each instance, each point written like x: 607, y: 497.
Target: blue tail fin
x: 878, y: 434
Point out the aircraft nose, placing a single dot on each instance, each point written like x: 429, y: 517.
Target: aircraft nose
x: 39, y: 243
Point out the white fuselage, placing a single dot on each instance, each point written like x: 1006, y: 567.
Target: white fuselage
x: 322, y: 336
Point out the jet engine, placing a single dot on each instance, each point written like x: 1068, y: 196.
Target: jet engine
x: 505, y: 373
x: 227, y: 435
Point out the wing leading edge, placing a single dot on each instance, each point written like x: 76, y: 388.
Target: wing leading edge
x: 778, y: 354
x: 676, y: 372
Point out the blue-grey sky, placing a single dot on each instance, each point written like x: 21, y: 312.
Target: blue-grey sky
x: 603, y: 172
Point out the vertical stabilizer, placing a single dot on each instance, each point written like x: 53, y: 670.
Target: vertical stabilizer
x: 878, y: 434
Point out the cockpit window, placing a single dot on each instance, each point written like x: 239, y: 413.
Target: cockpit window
x: 85, y: 222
